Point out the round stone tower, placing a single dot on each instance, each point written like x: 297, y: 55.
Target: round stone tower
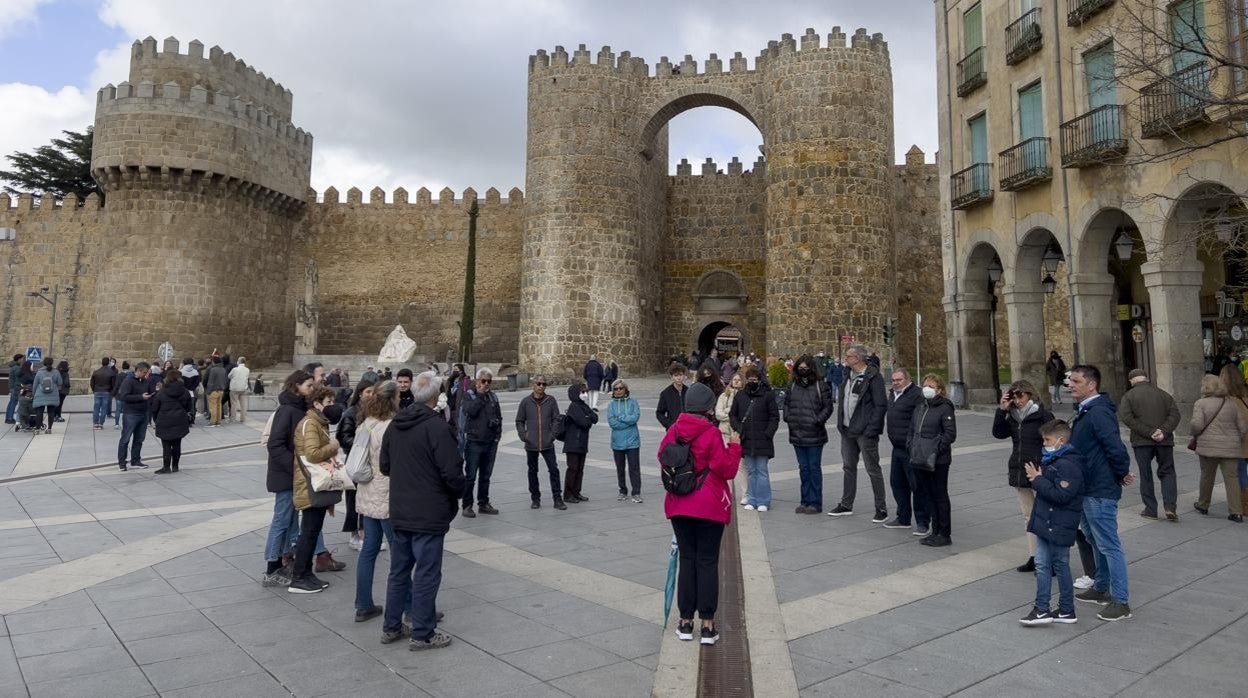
x: 829, y: 149
x: 205, y: 179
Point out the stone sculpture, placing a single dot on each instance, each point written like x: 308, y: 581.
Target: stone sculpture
x: 398, y: 347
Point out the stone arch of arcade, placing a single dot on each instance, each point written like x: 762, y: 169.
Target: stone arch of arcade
x: 976, y: 350
x: 1038, y: 256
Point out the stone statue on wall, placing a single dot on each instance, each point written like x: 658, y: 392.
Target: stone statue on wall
x: 398, y: 347
x: 307, y: 313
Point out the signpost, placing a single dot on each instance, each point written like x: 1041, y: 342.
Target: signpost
x: 918, y: 332
x: 34, y: 354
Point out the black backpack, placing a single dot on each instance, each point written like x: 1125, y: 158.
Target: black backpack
x: 677, y: 469
x: 47, y: 384
x: 560, y: 427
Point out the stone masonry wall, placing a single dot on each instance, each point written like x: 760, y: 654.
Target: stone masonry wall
x: 402, y: 262
x: 916, y: 231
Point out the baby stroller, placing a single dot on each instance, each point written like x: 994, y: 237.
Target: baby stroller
x: 26, y: 421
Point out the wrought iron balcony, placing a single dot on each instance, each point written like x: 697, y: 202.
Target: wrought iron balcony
x: 1023, y: 37
x: 1095, y: 137
x: 1080, y: 10
x: 1025, y: 164
x: 971, y: 72
x: 1175, y: 102
x: 971, y: 186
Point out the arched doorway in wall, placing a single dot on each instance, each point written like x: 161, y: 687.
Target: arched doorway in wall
x: 722, y: 336
x: 1115, y: 320
x: 982, y: 273
x: 1036, y: 323
x: 721, y: 315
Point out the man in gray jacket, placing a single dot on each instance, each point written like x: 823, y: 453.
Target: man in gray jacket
x: 535, y: 422
x: 215, y: 384
x: 1151, y: 415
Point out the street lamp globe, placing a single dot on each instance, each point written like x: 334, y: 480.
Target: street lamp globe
x: 1124, y: 246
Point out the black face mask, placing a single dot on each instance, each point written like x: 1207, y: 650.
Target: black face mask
x: 804, y: 371
x: 753, y: 387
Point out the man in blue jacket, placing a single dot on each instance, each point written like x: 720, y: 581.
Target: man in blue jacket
x: 1106, y: 468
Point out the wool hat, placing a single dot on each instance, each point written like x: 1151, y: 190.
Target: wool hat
x: 699, y: 399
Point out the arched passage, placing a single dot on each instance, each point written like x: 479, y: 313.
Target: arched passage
x: 668, y: 107
x: 1039, y: 260
x: 978, y: 333
x: 721, y: 336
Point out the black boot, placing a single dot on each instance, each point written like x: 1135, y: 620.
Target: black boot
x: 163, y: 471
x: 1029, y: 566
x: 559, y: 503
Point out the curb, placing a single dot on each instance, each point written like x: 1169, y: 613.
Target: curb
x: 98, y: 466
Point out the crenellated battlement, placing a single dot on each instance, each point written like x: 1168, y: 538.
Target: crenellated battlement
x: 685, y: 175
x: 47, y: 205
x: 605, y: 59
x: 218, y: 71
x: 424, y: 198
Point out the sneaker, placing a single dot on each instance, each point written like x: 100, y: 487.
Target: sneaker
x: 1115, y: 611
x: 581, y: 497
x: 356, y: 543
x: 621, y: 497
x: 1093, y: 596
x: 318, y: 581
x: 391, y: 636
x: 535, y: 504
x: 749, y: 507
x: 325, y: 562
x: 139, y: 464
x: 1145, y: 513
x: 920, y: 531
x: 1172, y: 516
x: 637, y: 499
x: 363, y: 614
x: 710, y: 635
x: 1084, y: 583
x: 841, y: 510
x: 276, y: 578
x: 304, y: 586
x: 436, y: 640
x: 163, y: 471
x: 1202, y: 510
x: 469, y: 513
x: 881, y: 516
x: 762, y: 507
x: 684, y: 630
x: 1237, y: 518
x: 486, y: 508
x: 383, y: 544
x: 1029, y: 566
x: 937, y: 541
x: 745, y: 499
x: 117, y: 427
x: 1036, y: 617
x: 1065, y: 617
x: 122, y: 467
x: 896, y: 523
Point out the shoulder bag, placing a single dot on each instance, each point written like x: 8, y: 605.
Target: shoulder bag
x: 1191, y: 443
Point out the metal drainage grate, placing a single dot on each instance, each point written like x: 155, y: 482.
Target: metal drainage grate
x: 724, y: 668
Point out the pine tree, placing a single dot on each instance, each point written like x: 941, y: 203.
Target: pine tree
x: 59, y: 169
x: 470, y: 281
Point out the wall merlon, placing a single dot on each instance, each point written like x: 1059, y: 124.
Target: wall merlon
x: 734, y: 166
x: 106, y: 92
x: 738, y: 63
x: 377, y: 197
x: 195, y: 49
x: 837, y: 38
x: 606, y: 58
x: 147, y: 90
x: 424, y: 196
x: 713, y: 65
x: 493, y: 196
x: 787, y: 44
x: 171, y: 45
x: 171, y: 90
x: 709, y: 168
x: 810, y: 40
x: 355, y: 196
x: 683, y: 168
x: 688, y: 66
x: 515, y: 196
x: 581, y: 56
x: 331, y: 196
x: 470, y: 195
x: 446, y: 196
x: 663, y: 69
x: 559, y: 59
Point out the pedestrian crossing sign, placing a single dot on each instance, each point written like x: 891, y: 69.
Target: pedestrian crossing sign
x: 34, y: 354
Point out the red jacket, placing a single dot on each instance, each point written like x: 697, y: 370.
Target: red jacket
x: 713, y: 500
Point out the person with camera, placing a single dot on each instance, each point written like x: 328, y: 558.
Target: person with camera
x: 481, y: 428
x: 1019, y: 418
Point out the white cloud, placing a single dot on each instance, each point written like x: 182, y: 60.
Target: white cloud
x: 15, y: 13
x: 42, y: 117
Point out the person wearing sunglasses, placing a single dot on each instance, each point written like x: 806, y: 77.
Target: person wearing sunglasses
x: 481, y: 427
x: 535, y: 423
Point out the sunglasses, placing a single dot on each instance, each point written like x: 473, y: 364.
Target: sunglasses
x: 540, y: 385
x: 485, y: 381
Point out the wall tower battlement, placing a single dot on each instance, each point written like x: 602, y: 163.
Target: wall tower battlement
x: 217, y: 72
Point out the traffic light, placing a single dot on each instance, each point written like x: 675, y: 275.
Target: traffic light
x: 890, y: 331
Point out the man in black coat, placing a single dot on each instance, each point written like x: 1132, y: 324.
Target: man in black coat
x: 284, y: 529
x: 481, y: 428
x: 421, y: 458
x: 903, y: 398
x: 672, y: 399
x: 134, y: 394
x: 860, y: 420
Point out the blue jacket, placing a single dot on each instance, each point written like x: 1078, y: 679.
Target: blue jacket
x: 1059, y: 504
x: 1094, y: 434
x: 622, y: 416
x: 593, y: 375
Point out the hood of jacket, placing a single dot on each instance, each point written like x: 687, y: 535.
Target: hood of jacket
x: 189, y: 371
x: 292, y: 400
x: 174, y: 390
x: 690, y: 426
x: 410, y: 416
x: 574, y: 393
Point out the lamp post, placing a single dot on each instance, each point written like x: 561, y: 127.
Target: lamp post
x: 56, y: 292
x: 1124, y: 246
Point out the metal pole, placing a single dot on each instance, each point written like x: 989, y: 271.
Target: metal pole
x: 918, y: 332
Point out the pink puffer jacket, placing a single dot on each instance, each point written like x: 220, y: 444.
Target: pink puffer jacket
x: 713, y: 500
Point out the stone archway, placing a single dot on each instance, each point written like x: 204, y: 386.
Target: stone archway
x: 721, y: 335
x: 975, y: 337
x: 1038, y: 250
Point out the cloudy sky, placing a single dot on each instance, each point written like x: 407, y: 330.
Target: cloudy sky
x: 401, y: 93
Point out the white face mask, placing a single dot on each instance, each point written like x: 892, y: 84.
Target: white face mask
x: 929, y: 392
x: 584, y: 396
x: 1051, y: 449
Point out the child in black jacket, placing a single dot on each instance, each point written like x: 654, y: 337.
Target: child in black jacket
x: 1058, y: 485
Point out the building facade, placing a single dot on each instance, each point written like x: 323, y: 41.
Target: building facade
x: 1091, y: 146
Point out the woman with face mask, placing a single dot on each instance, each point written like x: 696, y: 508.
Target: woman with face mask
x: 1019, y: 418
x: 578, y: 420
x: 933, y: 432
x: 807, y: 406
x: 755, y: 417
x: 710, y: 378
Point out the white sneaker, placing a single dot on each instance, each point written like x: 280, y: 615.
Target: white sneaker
x: 383, y: 544
x: 1084, y: 583
x: 744, y: 500
x: 762, y: 507
x: 357, y: 543
x: 749, y: 507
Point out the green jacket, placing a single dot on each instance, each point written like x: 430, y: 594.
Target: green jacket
x: 1144, y: 408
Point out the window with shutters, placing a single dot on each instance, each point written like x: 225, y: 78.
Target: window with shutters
x: 1187, y: 33
x: 972, y: 71
x: 1237, y: 34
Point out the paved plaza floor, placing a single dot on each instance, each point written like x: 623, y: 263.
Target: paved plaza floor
x: 131, y: 584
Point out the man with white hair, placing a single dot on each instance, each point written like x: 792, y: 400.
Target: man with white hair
x: 1152, y: 416
x: 860, y: 421
x: 480, y: 429
x: 421, y: 458
x: 240, y: 385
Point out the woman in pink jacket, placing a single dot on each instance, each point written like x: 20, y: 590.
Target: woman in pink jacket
x: 698, y: 518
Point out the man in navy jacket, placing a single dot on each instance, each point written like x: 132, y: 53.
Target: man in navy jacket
x: 1106, y: 468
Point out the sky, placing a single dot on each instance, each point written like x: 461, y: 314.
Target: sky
x: 400, y: 93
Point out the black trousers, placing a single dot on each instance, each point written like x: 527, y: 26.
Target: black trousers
x: 575, y: 474
x: 552, y: 465
x: 170, y: 452
x: 311, y: 520
x: 1165, y: 472
x: 697, y: 584
x: 633, y: 456
x: 934, y: 485
x: 351, y: 523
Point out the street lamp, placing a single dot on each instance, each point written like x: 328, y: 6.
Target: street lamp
x: 1124, y: 246
x: 994, y: 270
x: 1051, y: 258
x: 56, y: 292
x: 1049, y: 284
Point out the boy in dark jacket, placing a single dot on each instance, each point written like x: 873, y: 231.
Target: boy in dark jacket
x: 672, y: 399
x: 1058, y: 485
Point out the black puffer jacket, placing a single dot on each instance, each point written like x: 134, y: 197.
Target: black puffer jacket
x: 171, y: 411
x: 482, y: 419
x: 934, y: 423
x: 901, y: 414
x: 347, y: 426
x: 755, y: 417
x: 1028, y: 444
x: 671, y: 405
x: 807, y: 406
x: 421, y: 458
x: 291, y: 408
x: 577, y: 421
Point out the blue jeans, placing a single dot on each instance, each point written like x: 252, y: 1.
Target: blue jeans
x: 133, y: 426
x: 478, y: 463
x: 1053, y: 560
x: 758, y: 481
x: 374, y: 529
x: 810, y: 470
x: 1100, y: 525
x: 902, y: 481
x: 284, y: 528
x: 415, y: 575
x: 10, y: 412
x: 99, y: 407
x: 116, y: 412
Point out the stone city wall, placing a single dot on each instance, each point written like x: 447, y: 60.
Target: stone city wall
x: 916, y: 232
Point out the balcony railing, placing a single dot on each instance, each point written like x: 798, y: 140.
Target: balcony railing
x: 1025, y: 164
x: 1080, y: 10
x: 1023, y: 37
x: 1175, y: 102
x: 971, y: 72
x: 971, y: 186
x: 1095, y: 137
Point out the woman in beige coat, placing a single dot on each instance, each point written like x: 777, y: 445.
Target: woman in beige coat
x: 372, y: 498
x: 1219, y: 425
x: 723, y: 405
